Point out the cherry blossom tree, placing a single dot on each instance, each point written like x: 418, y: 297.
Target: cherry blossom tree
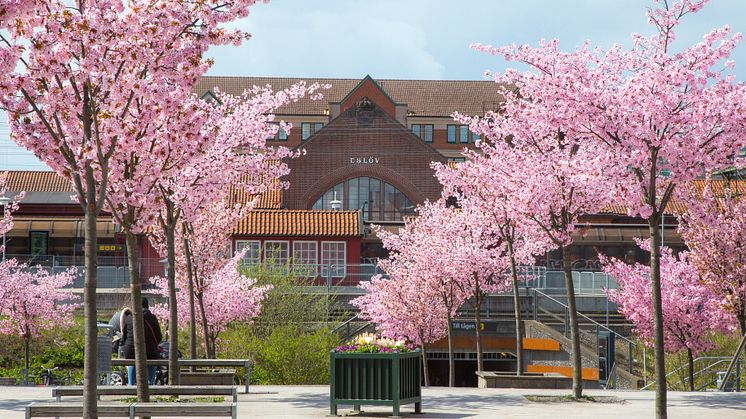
x: 227, y: 296
x: 83, y: 83
x: 476, y: 258
x: 478, y: 188
x: 665, y: 115
x: 714, y: 230
x: 414, y: 255
x: 403, y: 308
x: 202, y: 250
x: 6, y: 223
x: 554, y: 178
x: 691, y: 312
x: 192, y: 158
x: 32, y: 300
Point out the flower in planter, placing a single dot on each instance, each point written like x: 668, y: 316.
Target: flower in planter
x: 370, y: 343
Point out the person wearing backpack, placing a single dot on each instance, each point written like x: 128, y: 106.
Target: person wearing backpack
x: 153, y: 337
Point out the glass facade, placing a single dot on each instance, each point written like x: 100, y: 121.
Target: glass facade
x: 380, y: 201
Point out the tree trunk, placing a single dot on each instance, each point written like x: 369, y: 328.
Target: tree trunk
x: 690, y: 358
x: 658, y: 350
x: 138, y: 323
x: 451, y: 363
x: 173, y: 315
x: 742, y: 322
x: 516, y: 312
x: 424, y: 361
x: 576, y: 359
x: 90, y: 378
x: 192, y: 311
x: 27, y: 341
x: 205, y: 331
x: 478, y: 323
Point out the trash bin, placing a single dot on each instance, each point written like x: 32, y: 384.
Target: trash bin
x: 103, y: 351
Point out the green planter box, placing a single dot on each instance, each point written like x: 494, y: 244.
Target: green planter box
x: 384, y: 379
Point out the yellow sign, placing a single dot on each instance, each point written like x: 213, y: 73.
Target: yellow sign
x: 109, y: 247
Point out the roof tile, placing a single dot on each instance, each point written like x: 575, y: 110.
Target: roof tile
x: 319, y: 223
x: 423, y: 97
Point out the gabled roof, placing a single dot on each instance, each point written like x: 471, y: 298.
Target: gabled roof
x: 370, y: 79
x: 317, y: 223
x: 423, y: 97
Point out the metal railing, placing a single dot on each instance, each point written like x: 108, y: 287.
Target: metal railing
x: 588, y: 283
x: 112, y: 271
x: 536, y: 293
x: 709, y: 373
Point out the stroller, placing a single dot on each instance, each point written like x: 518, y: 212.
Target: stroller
x: 119, y: 378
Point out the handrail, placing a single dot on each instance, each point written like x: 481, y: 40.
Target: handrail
x: 699, y: 358
x: 597, y: 324
x: 612, y: 377
x: 345, y: 323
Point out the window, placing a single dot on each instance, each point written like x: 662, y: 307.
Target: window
x: 253, y: 256
x: 463, y: 134
x: 305, y: 130
x: 310, y: 128
x: 276, y: 252
x: 333, y: 259
x: 377, y: 199
x: 305, y: 257
x: 424, y: 131
x: 457, y: 159
x: 38, y: 243
x: 474, y: 137
x: 282, y: 135
x: 452, y: 133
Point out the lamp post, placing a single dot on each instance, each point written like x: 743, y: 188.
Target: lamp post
x: 335, y: 203
x: 4, y: 201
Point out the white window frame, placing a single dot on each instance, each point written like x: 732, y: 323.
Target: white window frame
x: 304, y: 267
x: 338, y: 271
x: 250, y: 259
x: 287, y: 256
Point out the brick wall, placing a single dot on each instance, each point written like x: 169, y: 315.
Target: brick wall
x: 390, y: 151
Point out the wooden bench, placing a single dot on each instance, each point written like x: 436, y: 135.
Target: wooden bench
x: 127, y: 391
x: 132, y: 410
x: 246, y: 363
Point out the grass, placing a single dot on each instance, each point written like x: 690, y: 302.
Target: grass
x: 569, y: 399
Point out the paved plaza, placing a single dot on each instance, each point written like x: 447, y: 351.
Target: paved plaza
x: 313, y: 402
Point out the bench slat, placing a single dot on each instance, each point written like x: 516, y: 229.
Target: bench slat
x: 183, y: 409
x: 69, y: 391
x: 140, y: 409
x: 76, y: 409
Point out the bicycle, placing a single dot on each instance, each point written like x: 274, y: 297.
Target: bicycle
x: 49, y: 378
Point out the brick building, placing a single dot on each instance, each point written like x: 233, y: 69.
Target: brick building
x: 368, y: 145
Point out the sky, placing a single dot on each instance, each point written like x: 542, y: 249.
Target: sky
x: 421, y: 39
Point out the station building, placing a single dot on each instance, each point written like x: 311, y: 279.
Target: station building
x: 368, y: 148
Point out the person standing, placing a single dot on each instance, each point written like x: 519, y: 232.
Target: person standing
x: 153, y: 337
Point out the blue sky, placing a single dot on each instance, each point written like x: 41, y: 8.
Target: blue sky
x: 420, y: 39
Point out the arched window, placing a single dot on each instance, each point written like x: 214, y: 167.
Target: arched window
x: 380, y: 201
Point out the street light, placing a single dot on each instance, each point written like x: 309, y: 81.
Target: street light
x: 4, y: 201
x: 335, y: 203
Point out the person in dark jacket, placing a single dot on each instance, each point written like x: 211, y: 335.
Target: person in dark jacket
x: 152, y: 338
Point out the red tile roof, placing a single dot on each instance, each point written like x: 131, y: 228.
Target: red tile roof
x: 299, y: 223
x: 423, y: 97
x: 676, y: 207
x: 36, y: 181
